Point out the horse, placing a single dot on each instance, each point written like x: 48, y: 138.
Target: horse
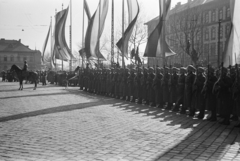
x: 21, y: 75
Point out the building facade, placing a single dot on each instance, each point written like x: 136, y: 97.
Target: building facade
x: 14, y: 52
x: 198, y: 25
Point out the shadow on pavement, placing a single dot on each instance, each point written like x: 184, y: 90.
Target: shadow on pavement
x: 208, y: 140
x: 51, y: 110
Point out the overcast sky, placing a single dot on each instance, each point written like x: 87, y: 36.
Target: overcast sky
x: 29, y: 20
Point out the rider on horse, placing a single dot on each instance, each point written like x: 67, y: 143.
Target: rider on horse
x: 25, y: 69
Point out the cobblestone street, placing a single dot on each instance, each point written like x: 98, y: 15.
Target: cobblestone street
x: 55, y: 124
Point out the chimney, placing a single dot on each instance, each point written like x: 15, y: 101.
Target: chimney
x: 178, y: 4
x: 19, y: 40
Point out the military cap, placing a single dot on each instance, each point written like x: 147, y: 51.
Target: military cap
x: 224, y: 70
x: 150, y: 69
x: 175, y: 69
x: 182, y: 69
x: 191, y: 68
x: 201, y: 69
x: 210, y: 69
x: 166, y: 68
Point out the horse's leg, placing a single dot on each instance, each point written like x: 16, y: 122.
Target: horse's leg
x: 22, y: 85
x: 19, y: 85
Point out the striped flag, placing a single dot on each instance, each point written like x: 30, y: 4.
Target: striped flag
x: 133, y: 11
x: 86, y: 8
x: 45, y: 43
x: 232, y: 52
x: 95, y: 29
x: 153, y: 45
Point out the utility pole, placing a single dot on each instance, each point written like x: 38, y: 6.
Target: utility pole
x: 219, y: 27
x: 112, y: 35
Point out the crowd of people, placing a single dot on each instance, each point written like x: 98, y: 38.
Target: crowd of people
x: 191, y: 90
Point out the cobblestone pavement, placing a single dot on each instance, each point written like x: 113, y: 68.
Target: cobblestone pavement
x: 54, y: 123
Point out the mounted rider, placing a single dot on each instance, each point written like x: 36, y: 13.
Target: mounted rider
x: 25, y: 69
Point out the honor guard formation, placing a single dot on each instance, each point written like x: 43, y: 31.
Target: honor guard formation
x: 191, y: 90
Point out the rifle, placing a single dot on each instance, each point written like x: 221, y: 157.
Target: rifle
x: 216, y: 86
x: 235, y: 85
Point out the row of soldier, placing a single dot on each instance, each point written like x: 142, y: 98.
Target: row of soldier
x: 183, y: 90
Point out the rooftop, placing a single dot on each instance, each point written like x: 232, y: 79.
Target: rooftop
x: 181, y: 7
x: 13, y: 45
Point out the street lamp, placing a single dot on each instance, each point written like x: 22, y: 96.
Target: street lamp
x: 219, y: 27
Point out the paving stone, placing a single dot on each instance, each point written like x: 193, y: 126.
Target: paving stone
x: 52, y: 123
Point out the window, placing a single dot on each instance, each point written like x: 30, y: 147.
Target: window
x: 221, y: 48
x: 228, y: 12
x: 221, y: 31
x: 227, y: 30
x: 11, y: 58
x: 206, y: 34
x: 213, y: 16
x: 213, y: 33
x: 207, y: 17
x: 5, y: 58
x: 19, y: 58
x: 206, y: 49
x: 213, y: 49
x: 220, y: 14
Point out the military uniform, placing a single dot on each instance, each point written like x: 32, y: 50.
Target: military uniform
x: 172, y: 83
x: 180, y: 89
x: 198, y: 99
x: 165, y: 87
x: 157, y: 87
x: 222, y: 87
x: 209, y: 96
x: 189, y: 80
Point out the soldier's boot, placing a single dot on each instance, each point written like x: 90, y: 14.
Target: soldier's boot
x: 183, y: 110
x: 139, y: 101
x: 234, y: 118
x: 201, y: 114
x: 133, y: 99
x: 169, y: 106
x: 147, y: 102
x: 153, y: 104
x: 175, y: 108
x: 128, y: 98
x: 225, y: 121
x: 191, y: 113
x: 160, y: 106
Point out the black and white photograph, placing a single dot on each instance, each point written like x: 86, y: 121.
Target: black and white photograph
x: 119, y: 80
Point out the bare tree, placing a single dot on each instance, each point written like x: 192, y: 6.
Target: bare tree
x: 185, y: 33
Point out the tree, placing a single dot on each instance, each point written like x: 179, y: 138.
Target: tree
x: 184, y: 32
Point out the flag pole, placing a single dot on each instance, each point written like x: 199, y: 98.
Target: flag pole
x: 54, y: 42
x: 112, y: 35
x: 163, y: 30
x: 99, y: 16
x: 62, y: 57
x: 83, y: 34
x: 70, y: 34
x: 123, y: 64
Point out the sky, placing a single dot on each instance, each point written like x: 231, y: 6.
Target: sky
x: 29, y: 20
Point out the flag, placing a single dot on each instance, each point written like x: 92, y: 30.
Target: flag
x: 132, y: 53
x: 86, y: 8
x: 60, y: 41
x: 82, y: 52
x: 233, y: 47
x: 133, y: 11
x: 95, y: 29
x: 45, y: 44
x: 153, y: 44
x: 137, y: 58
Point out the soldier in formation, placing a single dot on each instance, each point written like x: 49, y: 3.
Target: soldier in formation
x: 191, y: 90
